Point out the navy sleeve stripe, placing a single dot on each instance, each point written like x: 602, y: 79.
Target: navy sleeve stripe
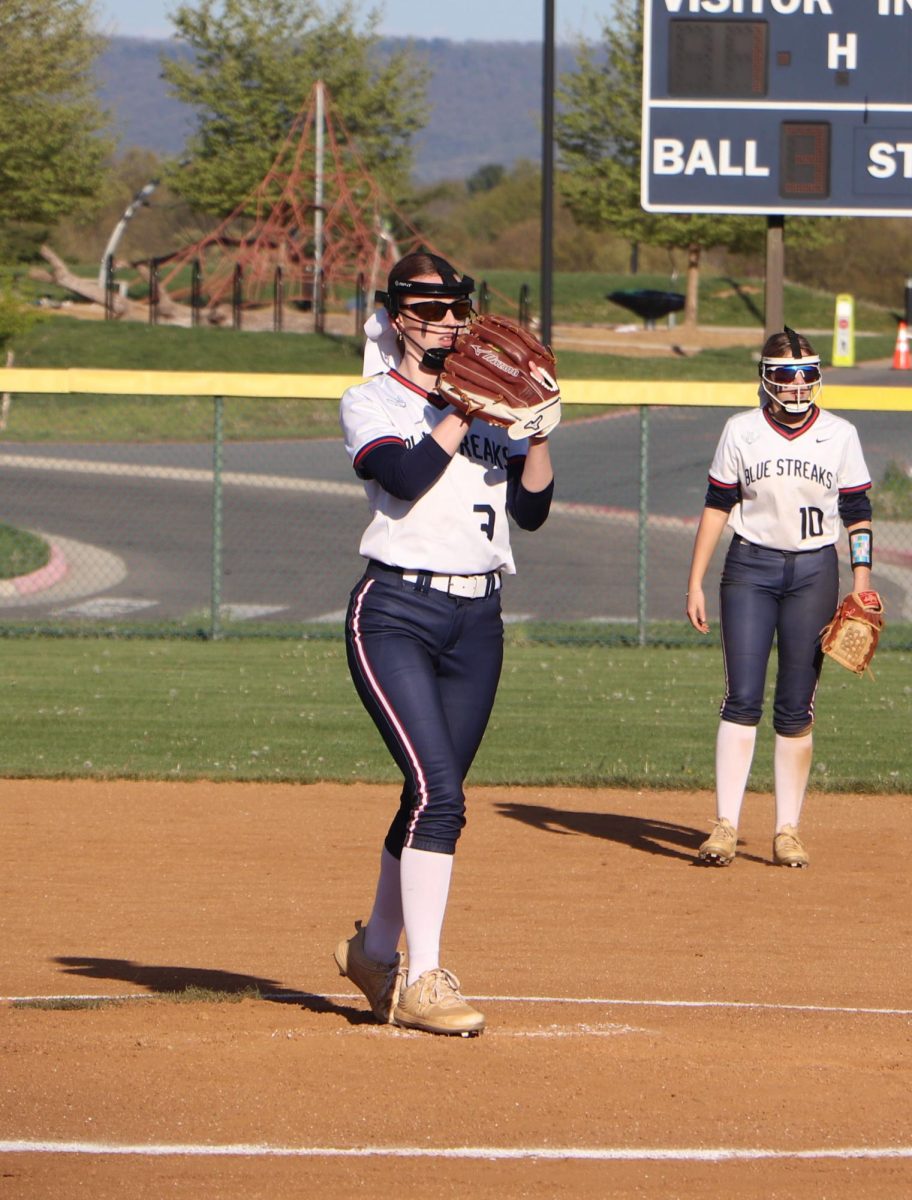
x: 854, y: 507
x: 381, y: 441
x: 862, y: 487
x: 722, y: 496
x: 718, y: 483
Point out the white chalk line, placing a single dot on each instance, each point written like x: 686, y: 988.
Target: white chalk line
x: 551, y: 1033
x: 735, y: 1004
x: 581, y: 1030
x: 487, y: 1153
x: 605, y: 1001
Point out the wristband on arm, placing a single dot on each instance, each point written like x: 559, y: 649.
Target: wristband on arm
x: 861, y: 548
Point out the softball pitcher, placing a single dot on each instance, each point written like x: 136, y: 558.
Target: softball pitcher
x: 424, y: 633
x: 783, y: 478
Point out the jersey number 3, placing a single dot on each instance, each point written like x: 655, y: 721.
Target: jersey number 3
x: 487, y: 527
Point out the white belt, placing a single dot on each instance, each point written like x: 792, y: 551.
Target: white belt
x: 469, y: 587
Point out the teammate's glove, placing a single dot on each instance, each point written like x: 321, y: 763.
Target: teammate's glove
x: 851, y: 637
x: 499, y: 373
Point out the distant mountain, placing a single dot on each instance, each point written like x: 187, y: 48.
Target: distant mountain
x: 485, y: 101
x: 130, y: 86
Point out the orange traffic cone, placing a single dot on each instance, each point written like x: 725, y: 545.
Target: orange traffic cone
x: 902, y: 360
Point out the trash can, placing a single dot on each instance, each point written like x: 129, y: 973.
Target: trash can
x: 648, y: 303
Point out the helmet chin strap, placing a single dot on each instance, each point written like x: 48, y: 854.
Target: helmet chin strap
x: 795, y: 406
x: 432, y: 359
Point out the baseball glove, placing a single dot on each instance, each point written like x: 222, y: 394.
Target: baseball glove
x: 851, y: 637
x: 499, y: 373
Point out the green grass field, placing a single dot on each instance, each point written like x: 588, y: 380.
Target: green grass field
x: 70, y: 342
x: 274, y: 710
x: 580, y: 297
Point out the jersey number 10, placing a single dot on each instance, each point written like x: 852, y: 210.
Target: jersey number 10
x: 811, y: 522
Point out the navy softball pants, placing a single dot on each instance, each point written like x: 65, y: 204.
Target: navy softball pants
x: 774, y: 592
x: 426, y: 666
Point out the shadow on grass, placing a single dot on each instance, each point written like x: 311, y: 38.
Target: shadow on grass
x: 178, y: 981
x: 647, y: 834
x: 748, y: 302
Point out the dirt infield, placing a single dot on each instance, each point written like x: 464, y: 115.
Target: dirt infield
x: 655, y: 1028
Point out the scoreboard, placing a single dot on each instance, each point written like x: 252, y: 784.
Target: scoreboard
x: 782, y: 107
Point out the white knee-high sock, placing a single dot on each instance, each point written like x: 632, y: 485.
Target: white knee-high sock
x: 734, y: 755
x: 425, y: 877
x: 382, y: 932
x: 791, y: 769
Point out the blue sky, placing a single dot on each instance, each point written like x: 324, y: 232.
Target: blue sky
x: 485, y: 20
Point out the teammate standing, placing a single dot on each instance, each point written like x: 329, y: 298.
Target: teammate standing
x: 424, y: 633
x: 783, y: 476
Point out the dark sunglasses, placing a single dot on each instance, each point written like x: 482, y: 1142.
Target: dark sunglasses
x: 436, y: 310
x: 787, y: 375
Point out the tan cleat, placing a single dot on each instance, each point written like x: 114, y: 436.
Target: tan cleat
x: 719, y: 848
x: 433, y: 1004
x: 377, y: 980
x: 788, y: 850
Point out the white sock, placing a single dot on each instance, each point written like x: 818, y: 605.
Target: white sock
x: 791, y: 769
x: 425, y: 877
x: 382, y: 932
x: 734, y: 755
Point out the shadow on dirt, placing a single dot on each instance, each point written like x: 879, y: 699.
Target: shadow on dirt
x: 181, y: 982
x: 647, y: 834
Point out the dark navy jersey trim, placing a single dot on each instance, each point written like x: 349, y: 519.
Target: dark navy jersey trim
x: 861, y: 487
x: 386, y: 440
x: 431, y: 397
x: 413, y: 387
x: 786, y: 431
x: 722, y: 495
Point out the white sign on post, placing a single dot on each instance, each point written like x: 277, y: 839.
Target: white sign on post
x: 844, y: 332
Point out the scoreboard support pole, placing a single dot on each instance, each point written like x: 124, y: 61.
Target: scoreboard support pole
x: 774, y: 301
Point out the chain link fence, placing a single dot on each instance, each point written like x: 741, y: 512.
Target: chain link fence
x: 213, y: 537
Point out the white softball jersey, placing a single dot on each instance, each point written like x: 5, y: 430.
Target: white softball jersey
x: 790, y: 479
x: 459, y: 525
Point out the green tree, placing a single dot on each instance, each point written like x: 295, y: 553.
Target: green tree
x: 500, y: 226
x: 598, y: 133
x: 51, y: 157
x: 253, y: 66
x: 15, y: 317
x: 161, y: 223
x: 485, y: 178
